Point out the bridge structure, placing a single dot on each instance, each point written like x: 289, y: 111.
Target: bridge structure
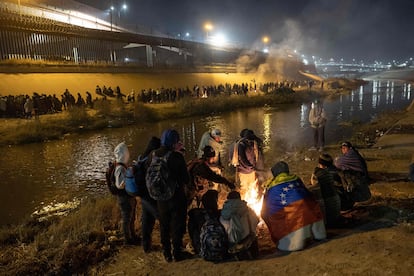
x: 56, y: 32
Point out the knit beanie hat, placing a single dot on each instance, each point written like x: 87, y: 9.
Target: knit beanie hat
x: 169, y: 137
x: 280, y: 167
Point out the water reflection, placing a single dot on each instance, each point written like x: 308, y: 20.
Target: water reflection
x: 37, y: 175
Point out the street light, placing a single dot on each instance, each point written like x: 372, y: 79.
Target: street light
x: 265, y: 40
x: 208, y: 27
x: 124, y: 7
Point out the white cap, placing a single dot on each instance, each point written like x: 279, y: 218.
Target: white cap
x: 216, y: 132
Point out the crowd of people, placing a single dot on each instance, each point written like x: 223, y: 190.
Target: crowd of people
x: 295, y: 213
x: 26, y: 106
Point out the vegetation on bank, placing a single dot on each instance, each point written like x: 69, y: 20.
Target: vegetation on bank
x: 113, y: 113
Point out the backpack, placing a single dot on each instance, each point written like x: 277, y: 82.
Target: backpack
x: 110, y: 177
x: 135, y: 178
x: 160, y: 186
x: 213, y: 241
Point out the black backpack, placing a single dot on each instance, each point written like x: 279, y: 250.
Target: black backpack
x: 159, y: 183
x: 110, y: 177
x: 213, y: 240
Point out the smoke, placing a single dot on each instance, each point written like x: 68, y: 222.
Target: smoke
x: 282, y: 61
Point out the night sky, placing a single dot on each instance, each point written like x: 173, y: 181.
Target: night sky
x: 365, y: 30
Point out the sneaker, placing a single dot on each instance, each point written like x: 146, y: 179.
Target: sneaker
x: 147, y: 246
x: 312, y: 148
x: 132, y: 242
x: 182, y: 255
x: 168, y: 257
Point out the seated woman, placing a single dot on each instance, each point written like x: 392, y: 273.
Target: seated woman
x: 290, y: 211
x: 354, y: 173
x: 240, y: 222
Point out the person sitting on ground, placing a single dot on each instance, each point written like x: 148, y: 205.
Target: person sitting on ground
x: 323, y: 187
x: 290, y: 211
x: 240, y: 222
x: 202, y: 176
x: 354, y: 172
x: 197, y: 217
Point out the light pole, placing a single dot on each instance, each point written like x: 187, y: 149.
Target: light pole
x: 111, y: 10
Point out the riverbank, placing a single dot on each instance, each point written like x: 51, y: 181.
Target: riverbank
x: 87, y: 240
x: 112, y: 113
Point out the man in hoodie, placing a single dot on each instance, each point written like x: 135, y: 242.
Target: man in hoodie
x: 127, y: 203
x: 240, y: 222
x: 173, y: 212
x: 213, y: 139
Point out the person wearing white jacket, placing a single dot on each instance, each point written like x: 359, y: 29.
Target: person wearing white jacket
x: 127, y: 203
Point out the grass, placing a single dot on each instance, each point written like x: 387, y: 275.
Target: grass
x: 62, y: 245
x: 113, y: 113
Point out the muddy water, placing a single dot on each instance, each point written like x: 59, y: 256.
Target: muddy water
x: 39, y: 175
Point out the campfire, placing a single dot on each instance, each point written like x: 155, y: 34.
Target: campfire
x: 253, y: 199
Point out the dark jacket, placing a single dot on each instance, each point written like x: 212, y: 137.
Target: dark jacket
x: 201, y: 173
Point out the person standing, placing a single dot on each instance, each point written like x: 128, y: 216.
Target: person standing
x: 203, y: 177
x: 247, y: 157
x: 173, y: 211
x: 213, y: 139
x: 127, y: 203
x: 317, y: 120
x: 148, y: 205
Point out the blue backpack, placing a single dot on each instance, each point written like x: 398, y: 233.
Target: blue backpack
x: 135, y: 178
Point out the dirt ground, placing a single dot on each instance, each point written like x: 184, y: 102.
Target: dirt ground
x: 380, y: 242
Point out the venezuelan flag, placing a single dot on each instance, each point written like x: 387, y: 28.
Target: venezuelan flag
x: 288, y: 206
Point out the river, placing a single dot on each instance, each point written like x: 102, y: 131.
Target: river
x: 42, y: 175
